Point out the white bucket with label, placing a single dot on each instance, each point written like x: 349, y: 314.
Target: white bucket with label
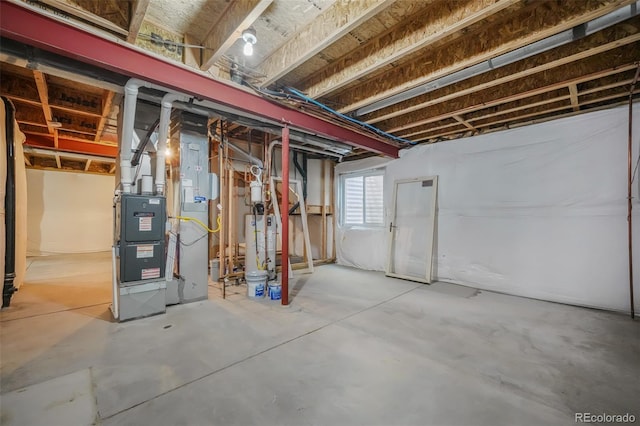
x: 274, y: 290
x: 256, y: 283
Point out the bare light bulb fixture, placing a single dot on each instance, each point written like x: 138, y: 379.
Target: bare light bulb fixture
x: 248, y: 49
x: 249, y: 38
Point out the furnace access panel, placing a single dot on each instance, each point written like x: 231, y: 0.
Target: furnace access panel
x: 141, y: 227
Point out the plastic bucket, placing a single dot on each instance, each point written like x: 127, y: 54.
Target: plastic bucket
x: 256, y: 282
x: 275, y: 291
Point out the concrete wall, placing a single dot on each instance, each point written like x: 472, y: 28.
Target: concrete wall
x: 68, y: 212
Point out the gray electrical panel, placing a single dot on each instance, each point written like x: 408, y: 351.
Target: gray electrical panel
x: 140, y: 223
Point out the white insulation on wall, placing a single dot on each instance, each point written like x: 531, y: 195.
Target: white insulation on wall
x: 68, y: 212
x: 539, y: 211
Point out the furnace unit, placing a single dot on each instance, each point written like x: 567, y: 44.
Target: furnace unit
x: 140, y: 257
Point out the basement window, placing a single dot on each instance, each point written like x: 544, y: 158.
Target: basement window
x: 362, y: 198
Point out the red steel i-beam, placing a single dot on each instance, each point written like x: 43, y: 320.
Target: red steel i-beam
x: 69, y: 145
x: 20, y: 23
x: 285, y: 216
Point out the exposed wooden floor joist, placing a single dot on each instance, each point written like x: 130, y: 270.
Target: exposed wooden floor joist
x: 439, y: 21
x: 479, y: 106
x: 564, y: 72
x: 332, y: 24
x: 464, y: 52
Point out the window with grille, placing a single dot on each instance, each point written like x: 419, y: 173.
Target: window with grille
x: 363, y: 199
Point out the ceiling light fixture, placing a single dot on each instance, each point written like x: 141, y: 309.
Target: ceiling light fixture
x: 249, y: 38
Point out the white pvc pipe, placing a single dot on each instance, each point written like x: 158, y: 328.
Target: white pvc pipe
x: 300, y: 148
x: 128, y: 119
x: 126, y: 138
x: 248, y: 156
x: 163, y: 134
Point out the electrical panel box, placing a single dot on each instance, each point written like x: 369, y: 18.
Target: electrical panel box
x: 140, y: 225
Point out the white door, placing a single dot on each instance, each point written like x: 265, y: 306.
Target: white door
x: 411, y: 229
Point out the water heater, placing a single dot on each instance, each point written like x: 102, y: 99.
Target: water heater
x: 260, y: 239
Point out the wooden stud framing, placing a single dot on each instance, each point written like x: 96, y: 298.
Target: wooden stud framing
x: 336, y: 21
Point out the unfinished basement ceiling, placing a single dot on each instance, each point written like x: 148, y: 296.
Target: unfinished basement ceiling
x: 397, y: 65
x: 65, y: 115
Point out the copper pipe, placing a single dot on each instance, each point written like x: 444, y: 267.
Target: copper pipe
x: 629, y: 192
x: 285, y: 216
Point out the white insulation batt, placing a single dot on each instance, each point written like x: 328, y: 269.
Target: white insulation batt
x: 538, y: 211
x: 69, y: 212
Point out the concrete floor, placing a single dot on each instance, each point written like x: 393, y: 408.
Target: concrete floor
x: 354, y: 347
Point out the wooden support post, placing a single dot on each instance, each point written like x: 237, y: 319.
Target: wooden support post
x: 285, y: 216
